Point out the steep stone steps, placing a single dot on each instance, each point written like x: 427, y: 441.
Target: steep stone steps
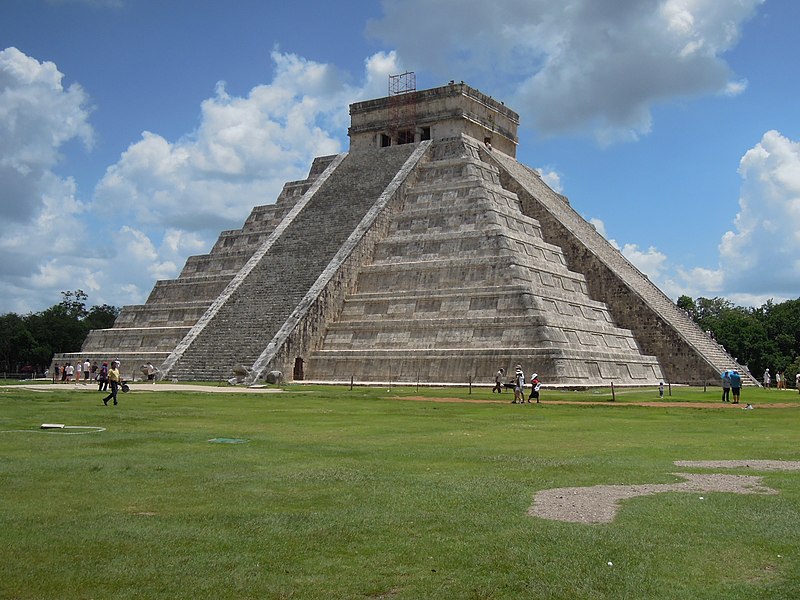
x: 255, y: 308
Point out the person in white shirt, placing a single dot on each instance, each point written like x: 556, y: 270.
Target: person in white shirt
x: 519, y: 386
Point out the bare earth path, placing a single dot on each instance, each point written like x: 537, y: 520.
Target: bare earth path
x: 143, y: 386
x: 600, y: 503
x: 665, y: 404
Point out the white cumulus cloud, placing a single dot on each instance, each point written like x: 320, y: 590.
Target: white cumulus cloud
x: 762, y: 252
x: 243, y: 151
x: 177, y: 195
x: 37, y: 116
x: 164, y: 199
x: 552, y: 178
x: 759, y: 258
x: 578, y: 64
x: 43, y: 217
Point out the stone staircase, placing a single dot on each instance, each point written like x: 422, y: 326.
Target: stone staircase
x: 464, y: 284
x: 661, y: 328
x: 256, y: 304
x: 151, y: 331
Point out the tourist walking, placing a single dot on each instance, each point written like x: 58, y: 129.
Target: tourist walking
x: 87, y: 366
x: 535, y: 387
x: 113, y: 379
x: 519, y: 386
x: 102, y: 377
x: 78, y: 372
x: 726, y: 386
x: 767, y: 379
x: 498, y: 380
x: 736, y: 386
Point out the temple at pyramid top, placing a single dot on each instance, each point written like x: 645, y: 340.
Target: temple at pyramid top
x: 435, y: 114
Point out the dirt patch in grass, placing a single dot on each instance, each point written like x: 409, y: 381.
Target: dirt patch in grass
x: 600, y: 503
x: 665, y: 404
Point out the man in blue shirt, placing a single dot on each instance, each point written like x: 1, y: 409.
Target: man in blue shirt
x: 736, y: 386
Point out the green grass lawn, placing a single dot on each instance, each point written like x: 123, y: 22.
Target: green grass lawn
x: 361, y: 494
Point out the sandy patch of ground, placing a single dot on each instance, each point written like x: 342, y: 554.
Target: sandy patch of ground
x: 665, y: 404
x: 600, y: 503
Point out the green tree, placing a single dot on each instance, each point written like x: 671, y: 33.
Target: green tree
x: 743, y: 335
x: 687, y: 304
x: 13, y: 340
x: 58, y: 329
x: 791, y: 372
x: 761, y: 338
x: 74, y: 304
x: 36, y: 337
x: 101, y: 317
x: 782, y: 323
x: 711, y: 312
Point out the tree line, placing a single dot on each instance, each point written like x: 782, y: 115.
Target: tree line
x: 761, y: 338
x: 28, y: 342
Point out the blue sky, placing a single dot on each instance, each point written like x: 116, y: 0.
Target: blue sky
x: 133, y: 131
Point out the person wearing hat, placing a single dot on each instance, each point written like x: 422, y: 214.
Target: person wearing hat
x: 535, y: 386
x: 519, y: 386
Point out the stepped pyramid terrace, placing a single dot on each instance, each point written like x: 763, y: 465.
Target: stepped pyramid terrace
x: 427, y: 253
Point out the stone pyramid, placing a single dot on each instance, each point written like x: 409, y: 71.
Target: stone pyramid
x: 427, y: 254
